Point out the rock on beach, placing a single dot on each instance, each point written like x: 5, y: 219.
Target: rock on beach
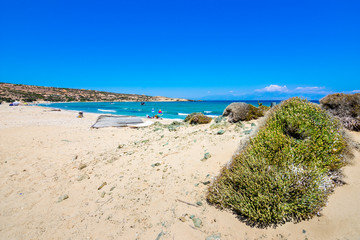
x: 236, y: 112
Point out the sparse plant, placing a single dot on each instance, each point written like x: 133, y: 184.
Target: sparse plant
x: 220, y: 119
x: 197, y: 118
x: 253, y: 113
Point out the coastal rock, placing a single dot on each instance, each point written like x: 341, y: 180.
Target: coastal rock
x: 206, y: 156
x: 82, y: 166
x: 63, y: 197
x: 220, y: 119
x: 83, y: 177
x: 220, y: 132
x: 206, y: 183
x: 236, y: 112
x: 176, y: 123
x: 216, y: 236
x: 197, y: 222
x: 247, y: 132
x: 159, y: 235
x: 102, y: 195
x: 156, y: 164
x: 242, y: 111
x: 171, y: 128
x: 102, y: 185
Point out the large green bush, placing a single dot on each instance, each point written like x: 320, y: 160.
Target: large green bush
x: 285, y: 172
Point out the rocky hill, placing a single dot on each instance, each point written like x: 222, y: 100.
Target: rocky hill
x: 18, y: 92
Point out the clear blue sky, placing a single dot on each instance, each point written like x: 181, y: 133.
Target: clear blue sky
x: 195, y: 49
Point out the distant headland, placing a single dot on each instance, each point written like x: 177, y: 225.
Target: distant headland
x: 28, y: 93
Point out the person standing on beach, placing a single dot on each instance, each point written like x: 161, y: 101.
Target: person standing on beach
x: 160, y: 113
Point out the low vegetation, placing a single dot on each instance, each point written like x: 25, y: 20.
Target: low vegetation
x: 255, y: 113
x: 157, y: 126
x: 197, y: 118
x: 344, y: 106
x: 219, y: 122
x: 287, y: 170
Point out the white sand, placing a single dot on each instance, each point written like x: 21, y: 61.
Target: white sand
x: 41, y: 150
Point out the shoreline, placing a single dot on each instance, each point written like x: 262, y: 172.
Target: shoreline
x: 110, y: 113
x: 173, y: 110
x: 149, y: 174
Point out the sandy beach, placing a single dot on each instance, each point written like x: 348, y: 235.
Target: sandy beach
x: 60, y: 179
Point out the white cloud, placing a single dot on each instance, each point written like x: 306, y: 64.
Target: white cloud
x: 309, y: 88
x: 231, y: 91
x: 355, y: 91
x: 273, y: 88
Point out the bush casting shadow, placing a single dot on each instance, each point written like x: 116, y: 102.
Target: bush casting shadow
x: 287, y: 171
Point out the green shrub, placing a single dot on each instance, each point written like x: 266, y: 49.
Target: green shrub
x: 284, y: 173
x: 263, y: 108
x: 344, y: 106
x: 188, y: 117
x: 197, y: 118
x: 254, y: 112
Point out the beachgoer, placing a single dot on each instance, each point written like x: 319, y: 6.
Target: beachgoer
x: 160, y: 113
x: 81, y: 115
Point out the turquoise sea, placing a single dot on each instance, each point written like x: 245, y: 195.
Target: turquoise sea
x: 172, y: 110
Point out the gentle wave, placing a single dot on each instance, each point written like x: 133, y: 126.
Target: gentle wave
x: 212, y: 116
x: 208, y: 111
x: 183, y: 114
x: 103, y: 110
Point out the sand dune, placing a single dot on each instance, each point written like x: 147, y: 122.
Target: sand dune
x: 125, y: 183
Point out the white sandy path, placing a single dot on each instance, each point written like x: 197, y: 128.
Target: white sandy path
x: 40, y: 152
